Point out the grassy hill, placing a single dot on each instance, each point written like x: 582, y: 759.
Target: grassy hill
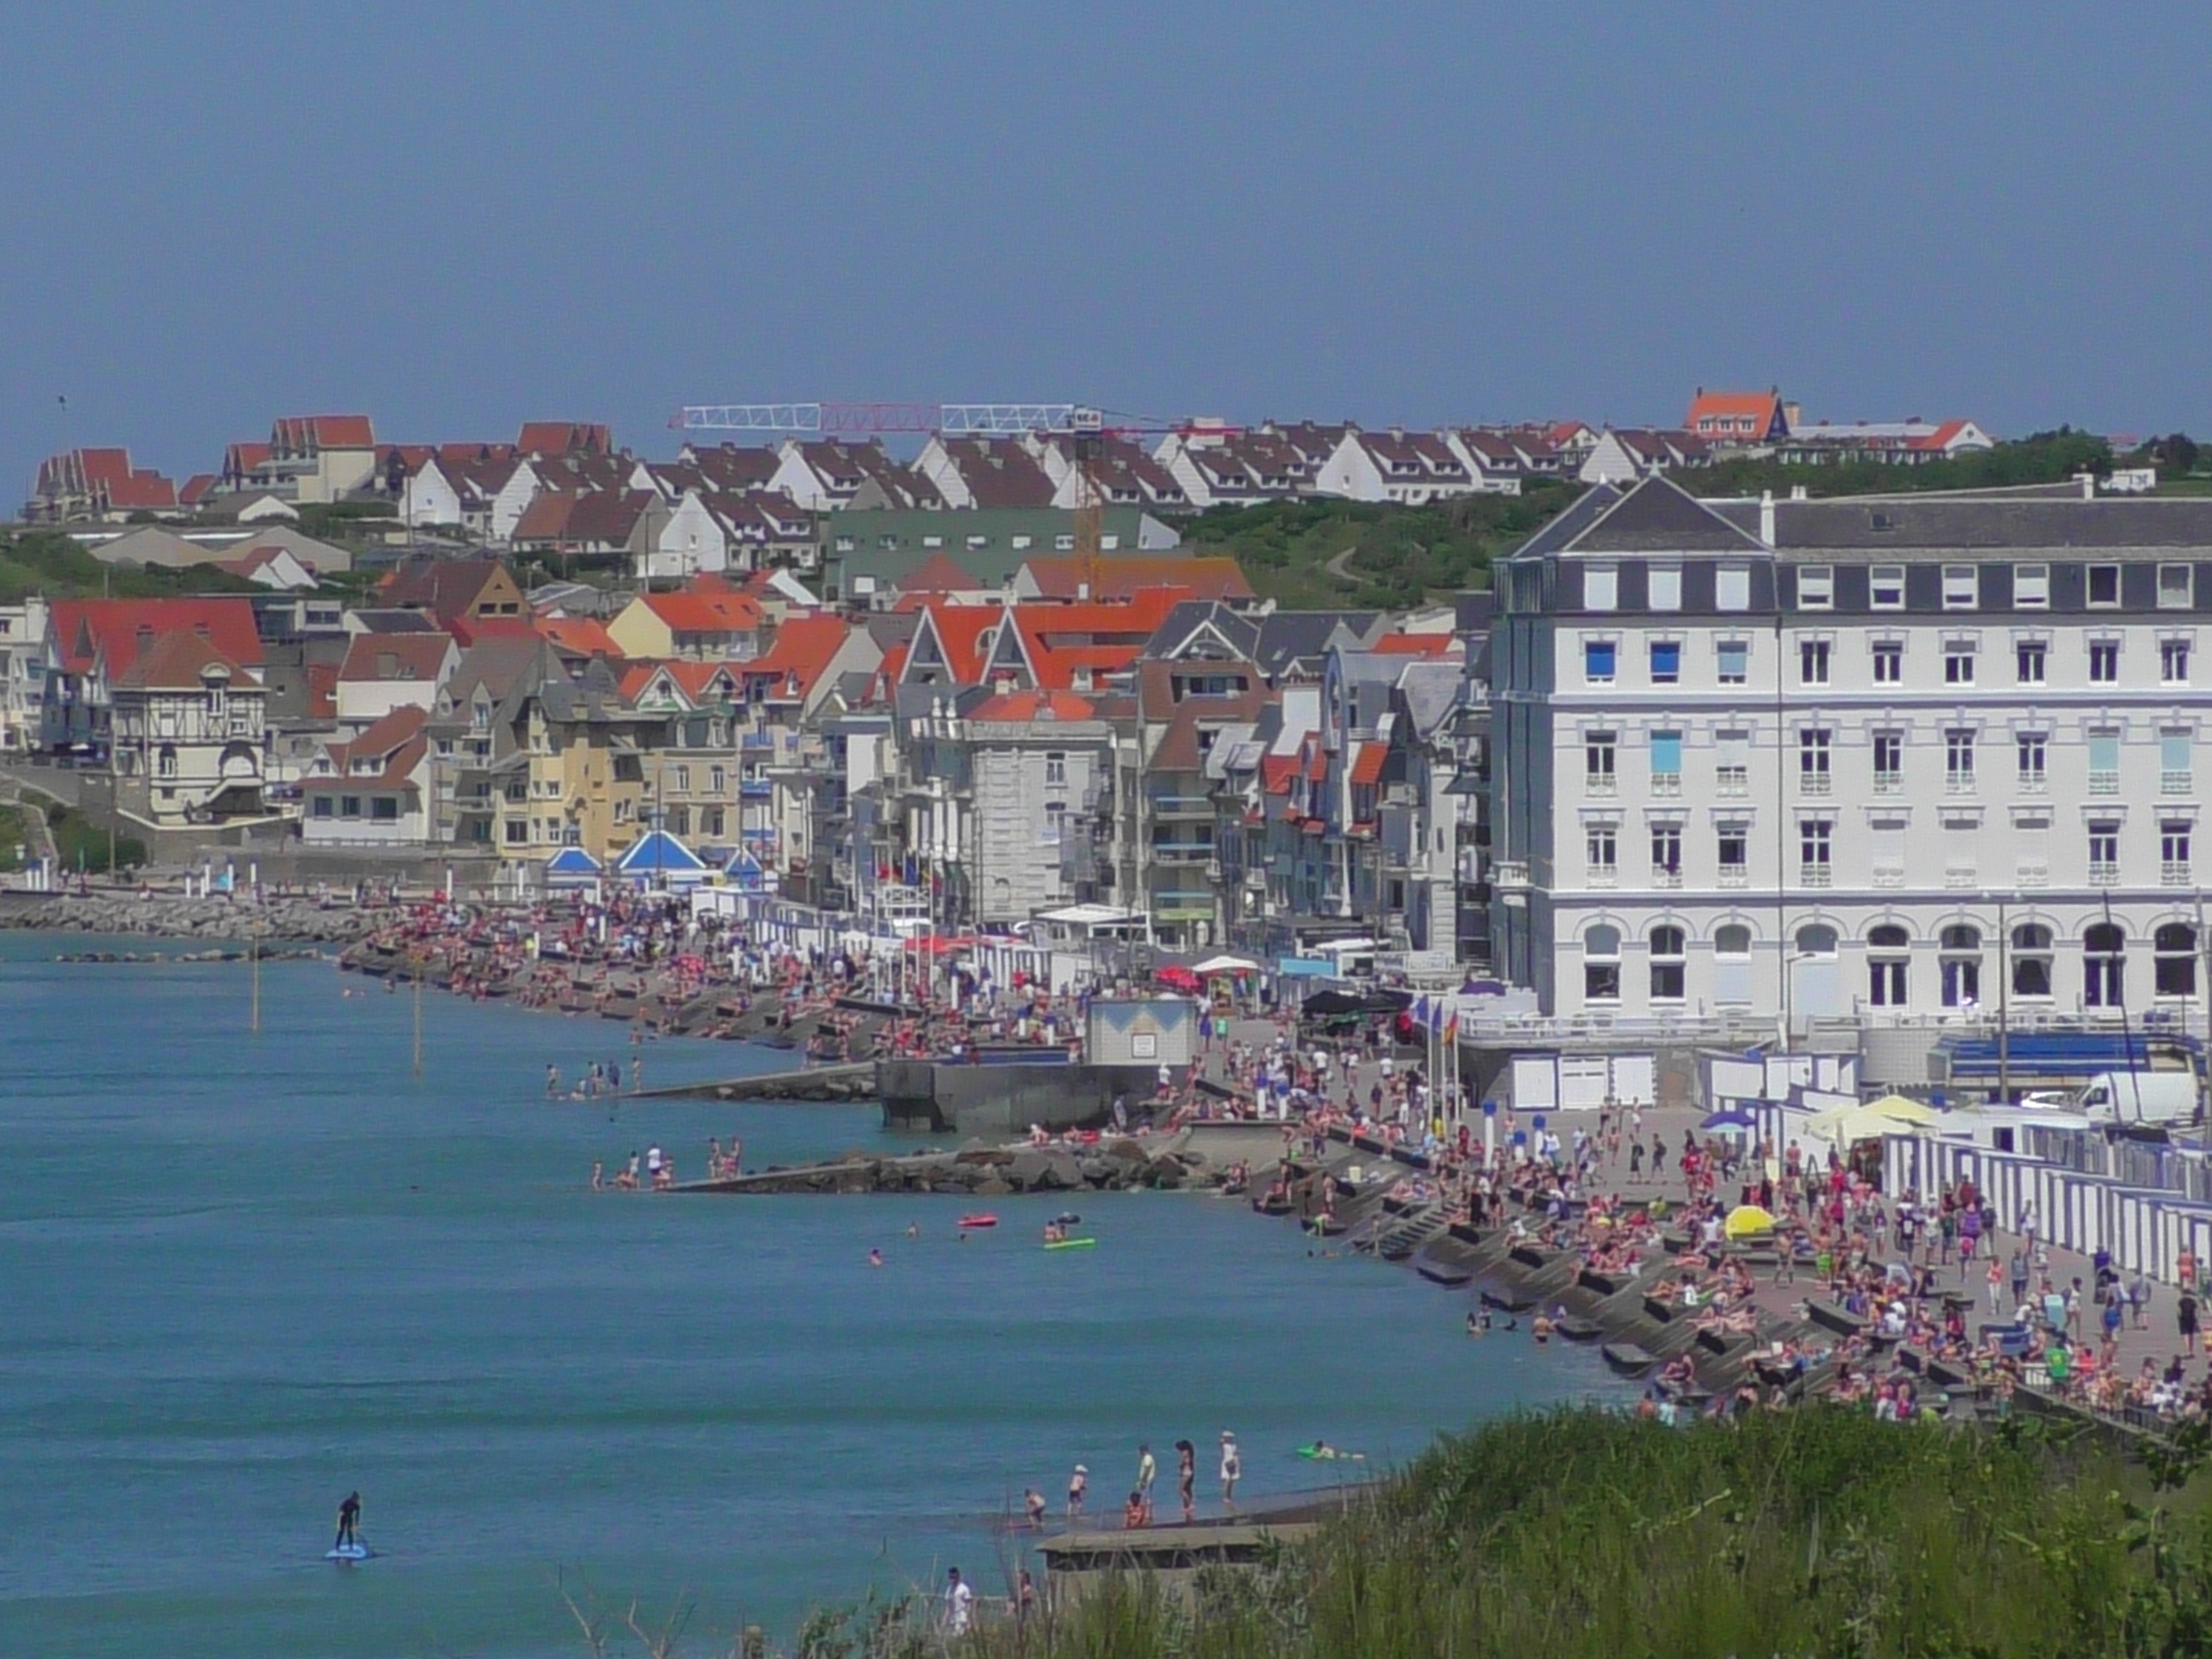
x: 46, y: 561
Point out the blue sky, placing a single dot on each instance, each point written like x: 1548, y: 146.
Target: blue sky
x: 455, y: 217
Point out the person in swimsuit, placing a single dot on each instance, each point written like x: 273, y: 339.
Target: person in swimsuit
x: 1187, y: 1478
x: 349, y: 1517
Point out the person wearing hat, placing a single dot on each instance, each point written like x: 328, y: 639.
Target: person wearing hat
x: 1078, y: 1484
x: 1232, y: 1466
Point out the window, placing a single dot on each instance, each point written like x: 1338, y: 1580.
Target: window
x: 2173, y: 950
x: 2033, y: 750
x: 1888, y: 663
x: 1666, y: 587
x: 1733, y: 848
x: 1667, y: 853
x: 1735, y: 659
x: 350, y: 807
x: 1599, y: 752
x: 2176, y: 586
x: 1602, y: 964
x: 1959, y: 758
x: 2104, y: 662
x: 683, y: 784
x: 1055, y: 768
x: 1816, y: 588
x: 1601, y: 588
x: 1960, y: 964
x: 2104, y: 958
x: 1597, y: 661
x: 322, y: 806
x: 2104, y: 762
x: 1813, y: 661
x: 2031, y: 586
x: 1957, y: 662
x: 1812, y: 745
x: 1602, y: 846
x: 1962, y: 587
x: 1814, y: 837
x: 2030, y: 960
x: 1886, y: 849
x: 2103, y: 584
x: 718, y: 781
x: 1732, y: 762
x: 1063, y: 543
x: 2104, y: 852
x: 1885, y: 586
x: 1665, y: 763
x: 518, y: 832
x: 1887, y: 963
x: 2175, y: 752
x: 384, y: 809
x: 2173, y: 662
x: 1021, y: 544
x: 2173, y: 852
x: 1055, y: 821
x: 1668, y: 970
x: 1732, y: 963
x: 1889, y: 761
x: 1732, y: 587
x: 2028, y: 657
x: 1666, y: 662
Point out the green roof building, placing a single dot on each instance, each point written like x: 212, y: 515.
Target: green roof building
x: 866, y: 550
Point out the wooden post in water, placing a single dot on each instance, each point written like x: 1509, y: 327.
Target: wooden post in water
x: 254, y: 947
x: 418, y: 1016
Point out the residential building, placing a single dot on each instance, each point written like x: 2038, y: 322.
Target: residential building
x: 1911, y: 442
x: 372, y: 789
x: 707, y: 620
x: 23, y: 673
x: 1739, y: 420
x: 867, y: 555
x: 187, y: 722
x: 1623, y: 454
x: 986, y: 472
x: 92, y: 643
x: 1412, y: 469
x: 97, y: 484
x: 1874, y: 757
x: 468, y: 591
x: 382, y: 672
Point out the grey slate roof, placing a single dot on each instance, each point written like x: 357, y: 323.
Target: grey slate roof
x: 1939, y: 524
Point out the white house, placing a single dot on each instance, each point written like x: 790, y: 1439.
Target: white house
x: 372, y: 790
x: 385, y: 672
x: 188, y: 724
x: 1410, y: 468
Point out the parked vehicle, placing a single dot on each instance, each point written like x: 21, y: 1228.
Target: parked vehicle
x: 2142, y: 1097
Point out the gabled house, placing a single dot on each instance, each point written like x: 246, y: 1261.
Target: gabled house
x: 98, y: 484
x: 985, y: 472
x: 91, y: 643
x: 1738, y: 420
x: 1122, y: 471
x: 1624, y: 454
x: 547, y: 439
x: 385, y: 672
x: 1063, y: 579
x: 318, y: 458
x: 710, y: 620
x: 450, y: 591
x: 828, y: 475
x: 372, y: 789
x: 1410, y: 468
x: 188, y: 720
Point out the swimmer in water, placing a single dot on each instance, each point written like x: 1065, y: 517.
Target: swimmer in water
x: 875, y: 1258
x: 914, y: 1230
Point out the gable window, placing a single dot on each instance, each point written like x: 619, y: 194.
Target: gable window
x: 2176, y: 586
x: 1732, y: 587
x: 2104, y: 585
x: 1734, y: 661
x: 1961, y: 587
x: 1601, y: 588
x: 1816, y: 588
x: 1598, y: 659
x: 1665, y: 586
x: 1885, y: 586
x: 1666, y: 662
x: 2031, y: 586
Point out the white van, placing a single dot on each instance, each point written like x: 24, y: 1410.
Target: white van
x: 2127, y: 1098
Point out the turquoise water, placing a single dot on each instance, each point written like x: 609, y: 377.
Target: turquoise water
x: 240, y: 1276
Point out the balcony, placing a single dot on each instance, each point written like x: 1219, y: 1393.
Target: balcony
x: 1889, y: 875
x: 2174, y: 874
x: 1889, y: 783
x: 1603, y: 783
x: 1958, y: 783
x: 1814, y: 875
x: 1667, y: 783
x: 2104, y: 783
x: 2034, y: 783
x: 1814, y: 783
x: 1605, y: 875
x: 1665, y: 877
x: 2177, y: 783
x: 1732, y: 779
x: 1182, y: 852
x: 1736, y: 875
x: 2031, y: 875
x: 1181, y: 806
x: 1961, y: 875
x: 2103, y: 875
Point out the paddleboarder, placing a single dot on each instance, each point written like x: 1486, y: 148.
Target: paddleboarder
x: 349, y: 1518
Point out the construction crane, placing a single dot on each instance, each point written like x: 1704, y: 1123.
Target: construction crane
x: 840, y: 419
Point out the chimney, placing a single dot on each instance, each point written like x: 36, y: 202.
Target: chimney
x: 1766, y: 517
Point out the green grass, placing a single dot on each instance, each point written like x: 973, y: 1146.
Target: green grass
x: 81, y: 844
x: 48, y: 562
x: 11, y: 837
x: 1391, y: 556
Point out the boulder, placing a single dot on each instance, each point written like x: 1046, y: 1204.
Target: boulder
x: 1128, y: 1151
x: 991, y: 1186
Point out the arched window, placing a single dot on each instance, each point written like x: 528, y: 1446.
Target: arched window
x: 1816, y: 940
x: 1602, y: 963
x: 2030, y: 960
x: 1670, y: 973
x: 1960, y: 965
x: 2174, y: 949
x: 1732, y: 963
x: 2104, y: 961
x: 1887, y: 961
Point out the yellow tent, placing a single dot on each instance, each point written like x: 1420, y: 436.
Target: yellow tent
x: 1852, y: 1123
x: 1748, y: 1221
x: 1908, y: 1111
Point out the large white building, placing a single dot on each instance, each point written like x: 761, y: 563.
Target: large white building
x: 1894, y: 756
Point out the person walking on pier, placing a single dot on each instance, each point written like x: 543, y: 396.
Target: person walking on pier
x: 1147, y: 1472
x: 1186, y: 1480
x: 1078, y: 1484
x: 1232, y: 1467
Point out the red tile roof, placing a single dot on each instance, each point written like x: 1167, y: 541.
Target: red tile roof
x: 1122, y: 576
x: 1276, y: 772
x: 959, y: 631
x: 578, y: 636
x: 564, y: 438
x: 1433, y: 646
x: 115, y: 631
x: 1012, y: 706
x: 938, y: 573
x: 804, y: 649
x: 304, y: 435
x: 194, y: 490
x: 1745, y: 417
x: 395, y: 657
x: 107, y: 476
x: 701, y: 609
x: 1368, y: 767
x: 176, y: 662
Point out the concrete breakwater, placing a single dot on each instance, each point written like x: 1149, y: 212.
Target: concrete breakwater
x: 292, y: 953
x: 1117, y: 1165
x: 171, y: 916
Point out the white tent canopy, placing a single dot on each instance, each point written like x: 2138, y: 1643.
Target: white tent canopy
x: 1224, y: 965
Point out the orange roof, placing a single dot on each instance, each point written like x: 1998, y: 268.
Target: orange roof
x: 175, y: 661
x: 117, y: 630
x: 1276, y: 772
x: 959, y: 629
x: 717, y: 610
x: 395, y: 657
x: 1753, y: 415
x: 1033, y: 705
x: 1434, y: 647
x: 938, y: 573
x: 1122, y: 576
x: 803, y: 647
x: 1368, y: 768
x: 585, y: 636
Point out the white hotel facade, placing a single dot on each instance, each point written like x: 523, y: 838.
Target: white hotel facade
x: 1874, y: 757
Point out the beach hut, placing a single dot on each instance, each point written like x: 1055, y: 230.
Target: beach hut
x: 572, y: 868
x: 744, y: 872
x: 657, y: 858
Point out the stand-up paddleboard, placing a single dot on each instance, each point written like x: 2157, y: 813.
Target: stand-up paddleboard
x: 1322, y: 1452
x: 1071, y: 1244
x: 350, y: 1552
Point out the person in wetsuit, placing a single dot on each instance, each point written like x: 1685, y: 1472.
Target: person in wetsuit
x: 349, y: 1517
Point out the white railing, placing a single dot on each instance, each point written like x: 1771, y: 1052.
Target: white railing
x: 1888, y: 877
x: 2104, y: 783
x: 2032, y: 875
x: 1813, y: 783
x: 1731, y: 780
x: 1814, y: 875
x: 1665, y: 877
x: 1602, y: 783
x: 1889, y: 783
x: 1667, y: 783
x: 1959, y: 783
x: 2103, y: 875
x: 1735, y: 875
x: 2173, y: 873
x: 1961, y: 875
x: 2176, y: 783
x: 1604, y: 875
x: 2033, y: 783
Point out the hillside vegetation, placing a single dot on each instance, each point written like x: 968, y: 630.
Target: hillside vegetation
x: 48, y: 562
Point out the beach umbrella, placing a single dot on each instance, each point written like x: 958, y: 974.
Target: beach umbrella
x: 1734, y: 1118
x: 1904, y: 1110
x: 1225, y: 964
x: 1847, y: 1124
x: 1748, y: 1221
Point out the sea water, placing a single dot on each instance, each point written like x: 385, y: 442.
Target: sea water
x: 241, y: 1275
